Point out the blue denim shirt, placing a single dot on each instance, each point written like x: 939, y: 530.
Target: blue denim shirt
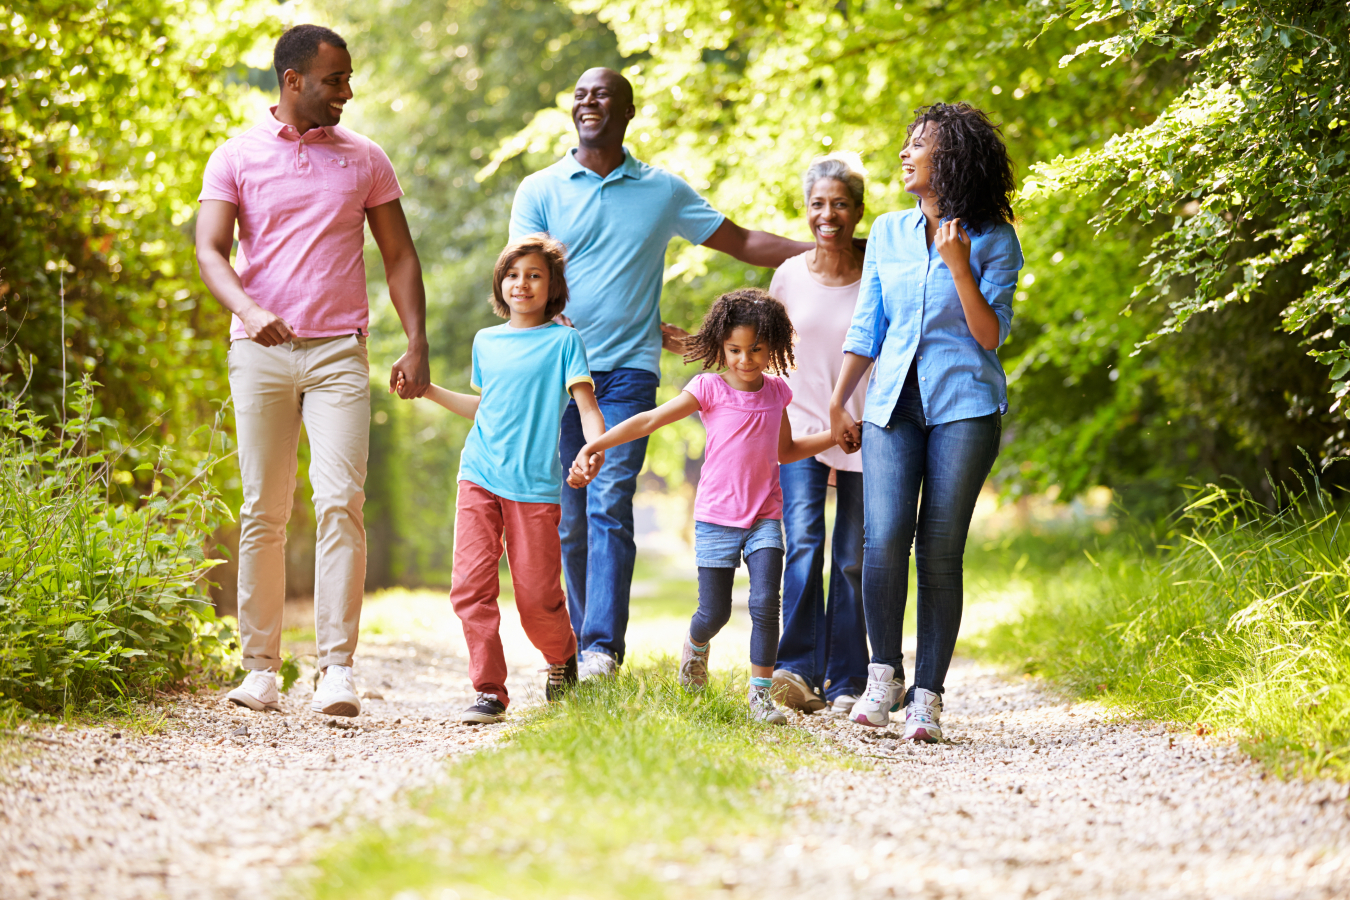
x: 909, y: 312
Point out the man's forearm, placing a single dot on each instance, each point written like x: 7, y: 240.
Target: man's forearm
x: 768, y: 250
x: 223, y: 282
x: 409, y: 297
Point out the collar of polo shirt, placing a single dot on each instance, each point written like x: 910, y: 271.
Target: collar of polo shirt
x: 628, y: 168
x: 282, y: 130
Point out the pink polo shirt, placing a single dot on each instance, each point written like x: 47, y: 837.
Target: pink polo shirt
x: 302, y: 203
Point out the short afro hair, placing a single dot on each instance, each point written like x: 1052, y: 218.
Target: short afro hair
x: 745, y: 306
x: 972, y: 174
x: 555, y: 256
x: 297, y: 47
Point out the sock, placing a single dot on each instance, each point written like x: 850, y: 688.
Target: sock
x: 697, y: 648
x: 761, y: 682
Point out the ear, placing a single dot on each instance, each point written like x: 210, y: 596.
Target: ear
x: 292, y: 80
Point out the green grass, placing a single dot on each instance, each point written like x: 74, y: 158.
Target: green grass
x: 1238, y: 621
x: 593, y: 797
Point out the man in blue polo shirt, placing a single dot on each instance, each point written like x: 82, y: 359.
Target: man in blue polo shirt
x: 616, y: 215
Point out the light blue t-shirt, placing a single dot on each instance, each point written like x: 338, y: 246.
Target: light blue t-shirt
x: 525, y: 376
x: 616, y: 230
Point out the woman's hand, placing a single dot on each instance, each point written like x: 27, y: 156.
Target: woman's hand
x: 953, y: 245
x: 845, y: 429
x: 673, y: 338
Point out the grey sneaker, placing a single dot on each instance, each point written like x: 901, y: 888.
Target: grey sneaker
x: 596, y: 664
x: 843, y: 704
x: 693, y: 666
x: 763, y: 708
x: 793, y: 691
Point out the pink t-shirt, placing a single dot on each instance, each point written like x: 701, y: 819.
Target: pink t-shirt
x: 821, y: 315
x: 302, y: 203
x: 739, y: 483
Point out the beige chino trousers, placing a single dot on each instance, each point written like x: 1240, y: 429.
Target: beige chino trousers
x: 323, y: 383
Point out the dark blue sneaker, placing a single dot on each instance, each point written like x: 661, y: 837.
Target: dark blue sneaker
x: 561, y: 678
x: 486, y: 710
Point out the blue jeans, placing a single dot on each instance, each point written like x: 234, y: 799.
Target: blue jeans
x: 950, y: 463
x: 826, y: 644
x: 597, y: 520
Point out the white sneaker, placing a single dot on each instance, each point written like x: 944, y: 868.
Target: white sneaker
x: 843, y: 704
x: 336, y: 695
x: 762, y: 707
x: 880, y: 698
x: 596, y: 664
x: 258, y: 692
x: 923, y: 717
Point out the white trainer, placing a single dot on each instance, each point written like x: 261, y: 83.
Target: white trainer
x: 880, y: 698
x: 596, y: 664
x: 336, y: 694
x: 843, y: 704
x: 923, y: 717
x: 258, y: 692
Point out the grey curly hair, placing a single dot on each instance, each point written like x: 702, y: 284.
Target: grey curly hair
x: 846, y: 168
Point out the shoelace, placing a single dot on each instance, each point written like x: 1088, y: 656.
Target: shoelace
x: 876, y: 691
x: 556, y: 674
x: 482, y: 699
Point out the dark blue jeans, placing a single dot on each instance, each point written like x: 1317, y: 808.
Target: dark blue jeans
x: 949, y: 463
x: 714, y: 603
x: 597, y: 520
x: 824, y: 643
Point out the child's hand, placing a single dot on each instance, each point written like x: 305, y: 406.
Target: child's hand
x: 585, y: 467
x: 399, y: 385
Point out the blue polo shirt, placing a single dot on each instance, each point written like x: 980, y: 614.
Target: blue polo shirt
x: 616, y: 230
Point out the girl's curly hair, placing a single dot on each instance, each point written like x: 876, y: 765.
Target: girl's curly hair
x: 745, y: 306
x: 555, y: 257
x: 972, y: 174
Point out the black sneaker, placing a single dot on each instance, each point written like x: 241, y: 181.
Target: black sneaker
x: 485, y: 710
x: 561, y: 678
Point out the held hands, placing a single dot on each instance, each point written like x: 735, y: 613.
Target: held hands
x: 846, y: 431
x: 953, y: 245
x: 266, y: 328
x: 585, y: 467
x: 411, y: 375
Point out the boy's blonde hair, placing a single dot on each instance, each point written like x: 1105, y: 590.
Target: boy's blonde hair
x: 555, y: 255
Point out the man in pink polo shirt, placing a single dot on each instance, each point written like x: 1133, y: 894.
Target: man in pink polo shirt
x: 301, y: 189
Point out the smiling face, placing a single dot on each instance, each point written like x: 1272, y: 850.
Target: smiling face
x: 747, y: 357
x: 916, y: 160
x: 832, y: 213
x: 602, y: 106
x: 525, y: 288
x: 320, y: 93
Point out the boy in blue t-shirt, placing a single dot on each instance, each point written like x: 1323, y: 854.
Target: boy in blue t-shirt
x: 510, y: 479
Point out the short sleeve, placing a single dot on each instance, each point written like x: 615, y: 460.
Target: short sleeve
x: 784, y: 392
x: 575, y: 369
x: 695, y: 219
x: 384, y: 184
x: 998, y: 276
x: 220, y: 180
x: 475, y: 373
x: 527, y: 210
x: 701, y: 387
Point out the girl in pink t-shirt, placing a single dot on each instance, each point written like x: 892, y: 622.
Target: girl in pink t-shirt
x: 739, y: 508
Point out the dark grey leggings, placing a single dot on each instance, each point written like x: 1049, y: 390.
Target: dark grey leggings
x: 714, y: 603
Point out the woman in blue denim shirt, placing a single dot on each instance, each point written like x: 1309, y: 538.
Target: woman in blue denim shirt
x: 934, y: 306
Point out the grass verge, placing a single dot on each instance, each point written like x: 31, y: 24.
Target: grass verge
x: 613, y: 793
x: 1238, y: 621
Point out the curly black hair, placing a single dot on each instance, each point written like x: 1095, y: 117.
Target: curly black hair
x: 744, y: 306
x: 972, y: 174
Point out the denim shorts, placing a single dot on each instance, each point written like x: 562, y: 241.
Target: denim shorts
x: 721, y: 546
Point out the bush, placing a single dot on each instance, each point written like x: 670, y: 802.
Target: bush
x: 100, y: 597
x: 1239, y: 621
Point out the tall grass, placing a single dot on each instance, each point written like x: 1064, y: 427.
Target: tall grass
x: 1239, y: 620
x: 100, y: 598
x: 610, y: 794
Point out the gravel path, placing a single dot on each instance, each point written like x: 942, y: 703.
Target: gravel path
x: 223, y: 802
x: 1035, y: 797
x: 1032, y: 797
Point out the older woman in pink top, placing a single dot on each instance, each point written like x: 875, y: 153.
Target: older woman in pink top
x: 822, y: 655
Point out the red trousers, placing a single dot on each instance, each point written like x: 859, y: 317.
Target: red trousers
x: 535, y: 556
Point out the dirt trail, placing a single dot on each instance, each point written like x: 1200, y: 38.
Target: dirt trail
x: 1032, y: 797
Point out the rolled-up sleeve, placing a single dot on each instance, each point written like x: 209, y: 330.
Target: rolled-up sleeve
x: 869, y: 323
x: 998, y: 277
